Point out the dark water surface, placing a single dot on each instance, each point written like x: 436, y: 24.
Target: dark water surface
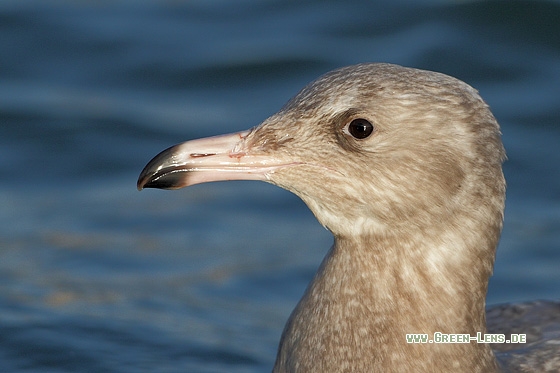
x: 95, y: 276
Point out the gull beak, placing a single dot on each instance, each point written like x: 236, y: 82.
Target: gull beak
x: 205, y: 160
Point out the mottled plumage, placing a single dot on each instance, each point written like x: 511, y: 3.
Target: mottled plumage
x: 404, y: 167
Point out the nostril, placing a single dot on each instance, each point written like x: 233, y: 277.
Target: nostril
x: 201, y: 155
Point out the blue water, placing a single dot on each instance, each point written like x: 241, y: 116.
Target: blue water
x: 95, y: 276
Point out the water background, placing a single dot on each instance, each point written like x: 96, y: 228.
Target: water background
x: 96, y: 276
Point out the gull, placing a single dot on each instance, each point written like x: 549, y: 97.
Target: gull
x: 404, y: 167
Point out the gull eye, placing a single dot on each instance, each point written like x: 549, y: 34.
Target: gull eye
x: 359, y: 128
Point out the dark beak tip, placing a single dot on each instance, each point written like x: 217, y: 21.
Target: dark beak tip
x: 149, y: 182
x: 144, y: 181
x: 163, y: 180
x: 154, y: 175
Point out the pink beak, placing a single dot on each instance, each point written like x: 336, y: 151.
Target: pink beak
x: 204, y: 160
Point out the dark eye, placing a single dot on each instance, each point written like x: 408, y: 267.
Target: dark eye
x: 360, y: 128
